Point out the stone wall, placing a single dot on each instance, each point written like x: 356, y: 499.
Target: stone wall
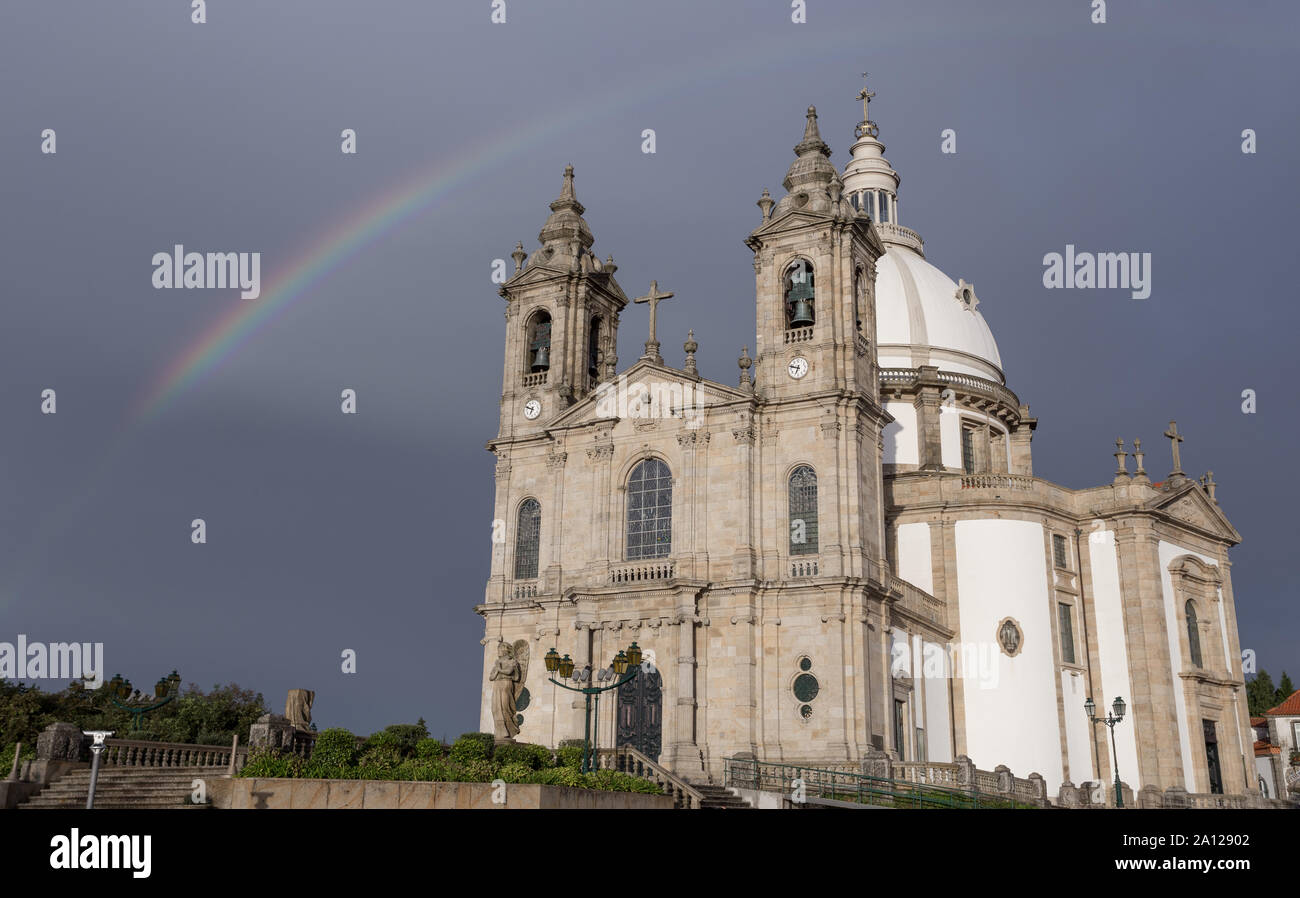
x: 265, y: 794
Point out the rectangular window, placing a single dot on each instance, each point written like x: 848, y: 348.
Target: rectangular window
x: 921, y: 754
x: 869, y: 204
x: 968, y: 450
x: 1058, y: 552
x: 899, y: 709
x: 1067, y: 632
x: 884, y: 207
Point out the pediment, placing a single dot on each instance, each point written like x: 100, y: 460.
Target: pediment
x: 647, y: 392
x: 1192, y: 508
x: 792, y: 220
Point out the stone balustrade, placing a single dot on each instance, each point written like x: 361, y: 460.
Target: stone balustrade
x: 535, y: 380
x: 642, y: 572
x: 627, y: 759
x: 143, y: 753
x: 807, y: 567
x: 799, y: 335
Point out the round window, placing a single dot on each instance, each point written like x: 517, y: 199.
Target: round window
x: 805, y: 687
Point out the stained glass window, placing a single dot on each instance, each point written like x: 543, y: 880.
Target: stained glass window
x: 527, y: 539
x: 1193, y: 634
x: 650, y: 510
x: 803, y: 511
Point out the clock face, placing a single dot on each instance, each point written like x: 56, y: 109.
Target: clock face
x: 798, y: 367
x: 532, y: 408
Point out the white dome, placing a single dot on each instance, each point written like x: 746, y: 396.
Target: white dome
x: 922, y: 320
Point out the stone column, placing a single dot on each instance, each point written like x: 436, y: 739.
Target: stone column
x: 684, y: 752
x: 928, y: 404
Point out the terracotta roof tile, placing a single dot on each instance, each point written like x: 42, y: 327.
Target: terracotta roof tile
x: 1258, y: 721
x: 1264, y: 749
x: 1290, y: 707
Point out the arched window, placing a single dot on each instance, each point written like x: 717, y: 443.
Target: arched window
x: 798, y: 292
x: 884, y: 207
x: 803, y: 511
x: 537, y: 355
x: 528, y: 539
x: 1193, y: 634
x: 593, y: 349
x: 859, y: 294
x: 649, y: 510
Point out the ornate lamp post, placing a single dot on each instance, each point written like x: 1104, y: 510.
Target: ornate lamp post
x: 1110, y: 720
x: 622, y: 669
x: 125, y: 696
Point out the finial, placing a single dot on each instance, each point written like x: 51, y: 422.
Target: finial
x: 1141, y: 472
x: 1121, y: 457
x: 690, y: 346
x: 745, y: 363
x: 609, y: 267
x: 653, y: 298
x: 1210, y: 486
x: 765, y: 202
x: 568, y: 181
x: 519, y: 255
x: 812, y: 138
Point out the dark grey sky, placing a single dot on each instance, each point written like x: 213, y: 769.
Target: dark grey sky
x: 329, y: 532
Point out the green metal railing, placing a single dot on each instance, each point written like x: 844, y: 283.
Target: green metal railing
x: 838, y: 785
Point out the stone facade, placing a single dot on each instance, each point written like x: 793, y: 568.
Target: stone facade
x: 737, y: 614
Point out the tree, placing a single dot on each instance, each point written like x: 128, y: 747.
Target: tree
x: 1284, y: 688
x: 1261, y: 694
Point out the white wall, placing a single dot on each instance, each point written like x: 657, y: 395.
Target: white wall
x: 1078, y: 739
x: 900, y: 436
x: 950, y: 436
x: 1265, y: 769
x: 914, y: 561
x: 1112, y: 650
x: 1012, y: 717
x: 938, y: 720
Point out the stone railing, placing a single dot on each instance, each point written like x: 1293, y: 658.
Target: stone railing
x: 639, y: 573
x: 964, y: 383
x: 803, y: 567
x: 626, y: 759
x: 142, y: 753
x: 997, y: 481
x: 526, y: 590
x: 900, y: 234
x: 917, y: 600
x: 535, y: 380
x: 799, y: 335
x: 881, y: 781
x: 1173, y: 797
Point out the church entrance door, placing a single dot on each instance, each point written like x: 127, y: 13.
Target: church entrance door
x: 1212, y: 757
x: 640, y: 714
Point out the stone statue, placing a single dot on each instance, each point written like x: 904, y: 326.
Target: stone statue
x: 297, y: 707
x: 507, y: 677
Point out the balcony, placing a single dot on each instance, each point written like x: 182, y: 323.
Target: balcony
x: 643, y: 572
x: 535, y: 380
x: 799, y: 335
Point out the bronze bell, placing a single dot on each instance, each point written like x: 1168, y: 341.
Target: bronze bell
x: 801, y: 316
x: 542, y: 358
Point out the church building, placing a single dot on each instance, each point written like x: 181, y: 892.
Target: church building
x: 845, y: 551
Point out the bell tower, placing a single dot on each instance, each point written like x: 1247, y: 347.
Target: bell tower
x: 562, y: 308
x: 814, y: 265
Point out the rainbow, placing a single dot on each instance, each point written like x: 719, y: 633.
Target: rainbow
x: 235, y: 327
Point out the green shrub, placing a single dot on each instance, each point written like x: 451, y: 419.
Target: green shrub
x: 333, y: 756
x: 615, y: 781
x: 516, y: 772
x: 557, y: 776
x: 430, y: 750
x: 422, y: 771
x: 534, y: 757
x: 569, y: 754
x: 472, y: 747
x: 472, y: 771
x: 403, y: 738
x: 267, y: 762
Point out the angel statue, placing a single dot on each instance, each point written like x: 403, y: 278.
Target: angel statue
x: 507, y: 678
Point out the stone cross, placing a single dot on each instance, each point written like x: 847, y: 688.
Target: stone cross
x: 1175, y: 438
x: 654, y: 297
x: 865, y: 96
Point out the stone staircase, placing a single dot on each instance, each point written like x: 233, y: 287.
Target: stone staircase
x: 124, y: 787
x: 720, y: 799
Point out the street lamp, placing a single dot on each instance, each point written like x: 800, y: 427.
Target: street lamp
x: 1116, y: 715
x: 618, y: 671
x: 125, y: 696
